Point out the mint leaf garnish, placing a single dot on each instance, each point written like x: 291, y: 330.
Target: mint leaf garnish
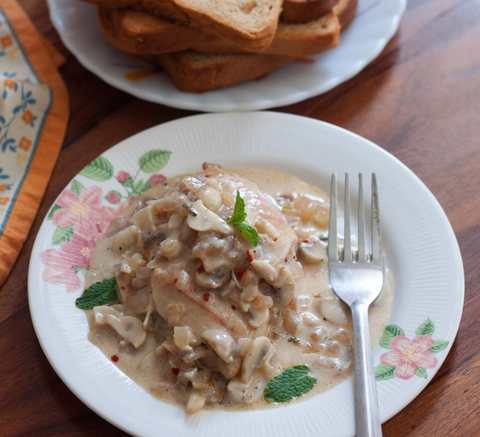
x: 99, y: 293
x: 291, y: 383
x: 249, y: 233
x: 237, y: 220
x: 239, y: 215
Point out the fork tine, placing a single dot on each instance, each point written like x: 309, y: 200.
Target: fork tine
x: 332, y: 226
x: 347, y: 237
x: 361, y: 221
x: 375, y: 220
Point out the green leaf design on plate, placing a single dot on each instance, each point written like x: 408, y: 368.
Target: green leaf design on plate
x: 100, y: 293
x: 291, y: 383
x: 140, y: 186
x: 438, y: 346
x: 389, y: 333
x: 61, y: 235
x: 100, y: 170
x: 54, y: 209
x: 384, y: 372
x: 154, y: 160
x: 426, y: 328
x: 76, y: 187
x: 421, y: 373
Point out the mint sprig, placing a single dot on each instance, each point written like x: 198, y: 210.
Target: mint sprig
x: 237, y: 220
x: 100, y: 293
x: 291, y: 383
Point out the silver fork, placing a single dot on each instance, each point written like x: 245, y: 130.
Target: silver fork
x: 356, y: 277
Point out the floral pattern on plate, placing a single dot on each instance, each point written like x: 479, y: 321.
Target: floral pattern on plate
x: 81, y: 217
x: 408, y: 357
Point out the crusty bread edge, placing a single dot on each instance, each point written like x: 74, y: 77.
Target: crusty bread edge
x: 255, y: 41
x: 228, y: 72
x: 347, y: 13
x: 296, y: 12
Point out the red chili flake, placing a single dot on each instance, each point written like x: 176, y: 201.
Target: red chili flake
x: 275, y: 239
x: 249, y: 256
x: 239, y: 274
x: 206, y: 296
x: 175, y: 280
x: 306, y: 241
x: 286, y: 259
x: 200, y: 269
x: 114, y: 358
x: 234, y: 307
x: 175, y: 370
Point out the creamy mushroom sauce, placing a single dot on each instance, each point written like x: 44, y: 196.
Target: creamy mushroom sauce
x: 205, y: 319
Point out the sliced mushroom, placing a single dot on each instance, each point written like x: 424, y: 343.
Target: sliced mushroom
x: 196, y: 401
x: 339, y: 364
x: 183, y: 338
x: 259, y: 316
x: 211, y: 198
x: 125, y: 239
x: 128, y: 327
x: 201, y: 219
x: 258, y: 350
x: 221, y: 342
x: 245, y: 392
x: 212, y: 361
x: 211, y: 281
x: 145, y: 221
x: 312, y: 251
x: 265, y: 270
x: 334, y: 311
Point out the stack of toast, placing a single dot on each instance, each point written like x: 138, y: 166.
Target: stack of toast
x: 209, y: 44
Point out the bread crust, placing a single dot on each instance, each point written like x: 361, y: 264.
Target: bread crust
x: 189, y: 72
x: 138, y: 33
x: 302, y: 11
x: 183, y: 12
x: 345, y: 11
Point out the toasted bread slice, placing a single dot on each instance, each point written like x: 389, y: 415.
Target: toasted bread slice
x: 139, y: 33
x: 247, y: 23
x: 302, y: 11
x: 197, y: 72
x: 345, y: 11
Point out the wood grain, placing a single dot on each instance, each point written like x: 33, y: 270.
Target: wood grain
x: 420, y: 100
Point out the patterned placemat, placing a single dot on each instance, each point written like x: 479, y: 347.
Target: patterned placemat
x: 33, y: 117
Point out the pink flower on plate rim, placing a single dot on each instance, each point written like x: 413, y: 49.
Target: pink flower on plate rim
x: 61, y: 264
x: 156, y: 179
x: 84, y: 212
x: 408, y: 355
x: 122, y: 176
x: 113, y: 197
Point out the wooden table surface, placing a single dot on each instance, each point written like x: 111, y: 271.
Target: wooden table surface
x: 420, y: 100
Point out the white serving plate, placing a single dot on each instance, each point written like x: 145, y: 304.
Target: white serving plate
x: 375, y: 24
x: 420, y: 245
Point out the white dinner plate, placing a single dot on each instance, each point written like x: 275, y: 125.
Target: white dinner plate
x: 420, y: 246
x: 364, y: 39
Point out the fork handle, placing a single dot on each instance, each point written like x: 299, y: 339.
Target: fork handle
x: 367, y: 416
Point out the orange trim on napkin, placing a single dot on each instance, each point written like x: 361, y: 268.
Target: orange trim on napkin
x: 49, y: 143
